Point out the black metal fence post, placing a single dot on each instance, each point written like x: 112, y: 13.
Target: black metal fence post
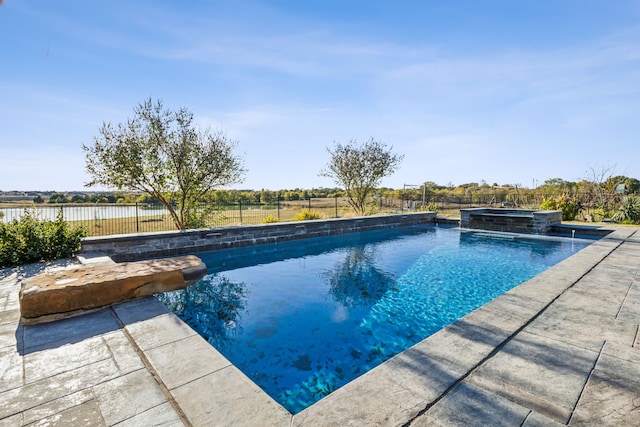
x: 240, y: 207
x: 278, y: 199
x: 336, y: 203
x: 137, y: 220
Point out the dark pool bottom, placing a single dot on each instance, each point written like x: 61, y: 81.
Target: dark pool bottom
x: 305, y: 317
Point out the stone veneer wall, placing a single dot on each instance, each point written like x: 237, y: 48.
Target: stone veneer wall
x: 543, y: 221
x: 134, y: 247
x: 511, y: 220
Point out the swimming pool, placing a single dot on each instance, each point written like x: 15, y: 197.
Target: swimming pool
x: 303, y: 318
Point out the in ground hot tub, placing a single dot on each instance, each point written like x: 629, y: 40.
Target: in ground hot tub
x: 511, y: 220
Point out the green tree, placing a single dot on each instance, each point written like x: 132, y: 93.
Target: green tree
x: 58, y: 198
x: 359, y: 168
x: 291, y: 195
x: 247, y: 197
x: 557, y: 186
x: 221, y: 197
x: 268, y: 197
x: 632, y: 185
x: 161, y: 152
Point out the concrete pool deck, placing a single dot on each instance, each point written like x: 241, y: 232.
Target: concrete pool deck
x: 561, y: 349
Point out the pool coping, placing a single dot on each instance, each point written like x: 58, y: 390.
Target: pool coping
x: 201, y: 387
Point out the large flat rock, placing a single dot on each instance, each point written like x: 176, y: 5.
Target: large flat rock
x: 63, y: 293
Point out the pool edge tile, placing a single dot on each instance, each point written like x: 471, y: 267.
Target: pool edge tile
x: 180, y: 362
x: 228, y: 397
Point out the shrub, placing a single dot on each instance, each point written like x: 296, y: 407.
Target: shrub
x: 549, y: 204
x: 30, y: 239
x: 373, y: 207
x: 431, y: 207
x: 566, y: 204
x: 629, y: 211
x: 599, y: 214
x: 306, y: 215
x: 569, y: 208
x: 269, y: 219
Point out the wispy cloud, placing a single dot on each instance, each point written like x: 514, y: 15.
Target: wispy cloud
x: 287, y: 84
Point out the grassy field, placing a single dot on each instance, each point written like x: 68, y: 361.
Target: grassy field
x: 226, y: 218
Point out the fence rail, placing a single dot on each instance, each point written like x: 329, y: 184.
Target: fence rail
x: 106, y: 219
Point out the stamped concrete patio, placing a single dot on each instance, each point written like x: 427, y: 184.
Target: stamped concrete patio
x: 560, y: 349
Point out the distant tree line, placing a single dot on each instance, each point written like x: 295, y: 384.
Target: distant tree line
x: 221, y: 197
x: 429, y: 189
x: 583, y: 200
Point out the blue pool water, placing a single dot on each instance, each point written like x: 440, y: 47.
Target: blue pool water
x: 303, y: 318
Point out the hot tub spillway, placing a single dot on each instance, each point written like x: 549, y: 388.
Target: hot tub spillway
x: 510, y: 220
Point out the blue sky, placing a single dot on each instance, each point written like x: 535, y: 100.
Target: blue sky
x: 513, y: 92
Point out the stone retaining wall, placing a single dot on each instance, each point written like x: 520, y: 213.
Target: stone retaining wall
x: 134, y: 247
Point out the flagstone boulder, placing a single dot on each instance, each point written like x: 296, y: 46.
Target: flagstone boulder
x: 64, y: 293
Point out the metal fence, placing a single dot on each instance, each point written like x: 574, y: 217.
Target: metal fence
x: 107, y: 219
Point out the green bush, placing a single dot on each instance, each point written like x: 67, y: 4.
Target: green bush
x: 566, y: 204
x: 629, y: 211
x: 373, y: 207
x: 569, y: 208
x: 30, y: 239
x: 431, y: 207
x: 599, y: 214
x: 549, y: 204
x: 269, y: 219
x: 306, y: 215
